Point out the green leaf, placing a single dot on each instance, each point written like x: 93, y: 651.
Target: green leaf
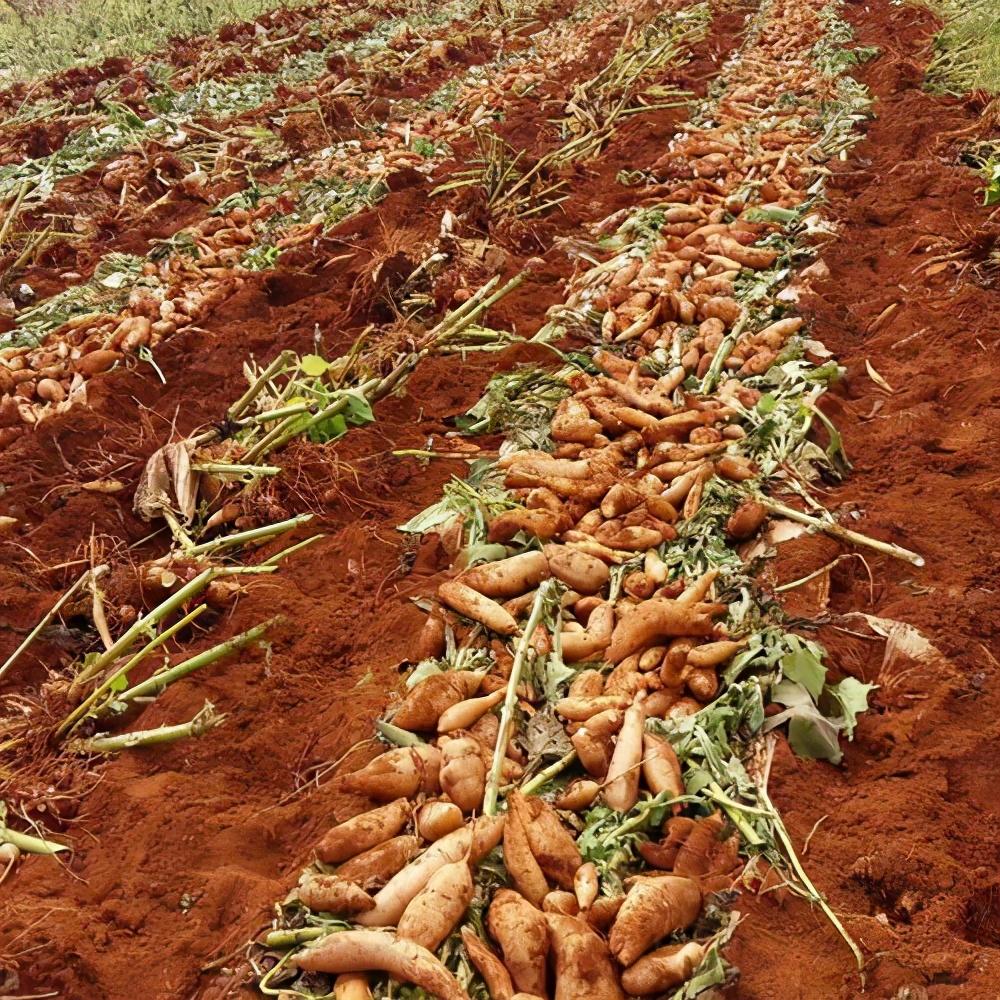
x: 852, y: 696
x: 119, y: 683
x: 313, y: 365
x: 804, y: 667
x: 810, y: 733
x: 766, y: 404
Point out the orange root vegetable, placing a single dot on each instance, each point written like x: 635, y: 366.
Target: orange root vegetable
x: 625, y: 679
x: 368, y: 951
x: 470, y: 603
x: 544, y: 524
x: 373, y: 868
x: 654, y: 907
x: 561, y: 901
x: 522, y: 933
x: 551, y: 843
x: 581, y: 709
x: 662, y: 969
x: 583, y: 572
x: 621, y: 499
x: 697, y: 590
x: 658, y: 703
x: 712, y: 654
x: 745, y: 521
x: 401, y: 772
x: 466, y: 713
x: 586, y: 885
x: 591, y: 643
x: 583, y: 965
x: 332, y: 894
x: 703, y: 683
x: 352, y: 986
x: 652, y: 621
x: 520, y: 863
x: 704, y: 852
x: 499, y: 985
x: 463, y: 773
x: 420, y: 710
x: 435, y: 820
x: 661, y: 770
x: 431, y: 640
x: 508, y: 577
x: 587, y: 684
x: 543, y: 465
x: 602, y: 913
x: 621, y: 790
x: 390, y: 902
x: 578, y: 796
x: 735, y: 468
x: 433, y: 913
x: 633, y: 538
x: 362, y: 832
x: 572, y: 422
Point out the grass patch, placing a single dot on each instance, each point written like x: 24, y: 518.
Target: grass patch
x: 75, y: 32
x: 967, y: 49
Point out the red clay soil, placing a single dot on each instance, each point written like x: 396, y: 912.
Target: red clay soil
x: 180, y: 851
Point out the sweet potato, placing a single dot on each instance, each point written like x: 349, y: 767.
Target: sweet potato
x: 352, y: 986
x: 363, y: 831
x: 423, y: 704
x: 745, y: 521
x: 435, y: 820
x: 430, y: 640
x: 463, y: 773
x: 581, y: 709
x: 704, y: 852
x: 551, y: 843
x: 654, y: 620
x: 520, y: 863
x: 373, y: 868
x: 603, y: 911
x: 621, y: 790
x: 661, y: 770
x: 544, y: 524
x: 468, y: 602
x: 572, y: 422
x: 367, y: 950
x: 522, y: 933
x: 466, y: 713
x: 586, y: 884
x: 433, y: 913
x: 663, y: 968
x: 583, y: 965
x: 663, y: 853
x: 586, y: 684
x: 578, y: 796
x: 499, y: 985
x: 332, y: 894
x: 403, y: 771
x: 654, y: 907
x: 620, y: 499
x: 508, y: 577
x: 703, y: 683
x: 473, y: 842
x: 584, y: 573
x: 712, y: 654
x: 561, y: 901
x: 591, y: 643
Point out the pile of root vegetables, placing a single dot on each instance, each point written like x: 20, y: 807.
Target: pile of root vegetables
x: 477, y: 874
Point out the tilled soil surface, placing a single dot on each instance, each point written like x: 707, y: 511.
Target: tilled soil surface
x: 179, y: 852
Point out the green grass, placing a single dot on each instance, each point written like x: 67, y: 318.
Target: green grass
x: 967, y: 49
x: 76, y: 32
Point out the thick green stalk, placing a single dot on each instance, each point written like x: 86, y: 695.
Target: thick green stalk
x: 251, y: 535
x: 529, y: 787
x: 205, y: 720
x: 155, y: 684
x: 238, y: 408
x: 510, y: 701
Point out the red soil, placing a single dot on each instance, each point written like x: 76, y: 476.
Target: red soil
x: 179, y: 852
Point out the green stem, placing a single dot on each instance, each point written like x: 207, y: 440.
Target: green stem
x: 83, y: 709
x: 30, y: 845
x: 155, y: 684
x: 204, y: 721
x: 238, y: 408
x: 251, y: 535
x: 400, y: 737
x: 507, y: 715
x: 285, y: 553
x: 291, y: 938
x: 722, y: 352
x: 529, y: 787
x: 234, y: 469
x: 842, y: 533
